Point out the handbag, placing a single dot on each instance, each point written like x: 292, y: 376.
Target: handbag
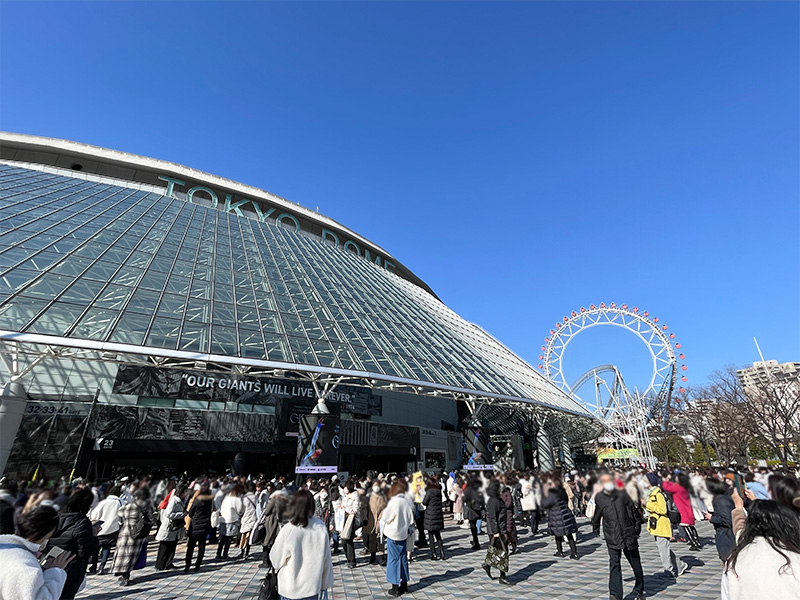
x: 590, y: 508
x: 672, y: 511
x: 497, y: 555
x: 268, y: 590
x: 258, y: 535
x: 141, y: 529
x: 215, y: 518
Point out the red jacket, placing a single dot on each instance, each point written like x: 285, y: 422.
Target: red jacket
x: 682, y: 500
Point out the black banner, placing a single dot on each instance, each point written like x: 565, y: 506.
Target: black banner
x: 478, y: 451
x: 318, y: 444
x: 149, y: 423
x: 291, y: 413
x: 226, y: 387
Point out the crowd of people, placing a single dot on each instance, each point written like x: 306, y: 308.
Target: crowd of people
x: 53, y: 537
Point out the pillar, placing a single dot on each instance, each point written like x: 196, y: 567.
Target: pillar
x: 544, y: 450
x: 12, y: 406
x: 568, y: 460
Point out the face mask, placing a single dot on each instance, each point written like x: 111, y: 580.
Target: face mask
x: 375, y: 489
x: 609, y: 487
x: 324, y: 495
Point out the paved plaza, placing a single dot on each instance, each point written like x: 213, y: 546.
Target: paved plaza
x: 535, y: 572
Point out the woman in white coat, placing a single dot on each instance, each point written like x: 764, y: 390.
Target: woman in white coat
x: 397, y: 524
x: 230, y: 519
x: 21, y: 575
x: 302, y: 552
x: 172, y: 528
x: 531, y: 501
x: 766, y: 560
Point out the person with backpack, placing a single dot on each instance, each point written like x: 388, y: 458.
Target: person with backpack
x: 137, y: 521
x: 659, y: 526
x: 682, y: 492
x: 76, y: 535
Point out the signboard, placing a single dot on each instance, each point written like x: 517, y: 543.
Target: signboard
x: 478, y: 453
x: 58, y: 408
x: 616, y: 453
x: 293, y: 411
x: 318, y: 444
x: 227, y: 387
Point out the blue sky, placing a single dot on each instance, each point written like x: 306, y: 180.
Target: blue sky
x: 525, y: 159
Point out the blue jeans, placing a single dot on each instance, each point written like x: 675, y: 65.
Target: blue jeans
x: 396, y: 562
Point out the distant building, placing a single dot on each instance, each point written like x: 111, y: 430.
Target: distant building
x: 768, y: 371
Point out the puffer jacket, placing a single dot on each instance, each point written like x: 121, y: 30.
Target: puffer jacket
x: 434, y: 517
x: 473, y: 504
x: 560, y: 520
x: 74, y: 534
x: 622, y: 523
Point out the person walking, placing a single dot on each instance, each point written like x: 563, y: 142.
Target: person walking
x: 682, y: 492
x: 172, y: 527
x: 496, y: 526
x: 434, y: 518
x: 377, y: 504
x: 352, y: 506
x: 560, y: 519
x: 457, y: 497
x: 273, y: 519
x: 721, y: 518
x: 22, y: 576
x: 249, y: 519
x: 199, y: 529
x: 397, y: 520
x: 75, y: 534
x: 301, y: 553
x: 107, y: 514
x: 660, y: 527
x: 765, y: 563
x: 137, y: 520
x: 507, y: 484
x: 621, y: 528
x: 230, y: 519
x: 474, y: 506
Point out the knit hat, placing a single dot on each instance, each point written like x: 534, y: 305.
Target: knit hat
x: 653, y: 479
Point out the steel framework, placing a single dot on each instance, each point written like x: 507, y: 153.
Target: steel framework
x: 625, y: 414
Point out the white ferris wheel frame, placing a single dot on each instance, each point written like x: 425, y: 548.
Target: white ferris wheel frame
x: 657, y: 342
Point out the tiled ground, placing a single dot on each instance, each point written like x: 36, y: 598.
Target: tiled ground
x: 535, y: 572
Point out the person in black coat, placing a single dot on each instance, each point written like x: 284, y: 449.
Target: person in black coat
x: 76, y: 535
x: 200, y: 508
x: 434, y: 517
x: 621, y: 528
x: 721, y: 519
x: 560, y: 520
x: 473, y: 508
x: 496, y: 523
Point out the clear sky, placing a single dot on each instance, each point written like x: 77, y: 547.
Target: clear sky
x: 524, y: 159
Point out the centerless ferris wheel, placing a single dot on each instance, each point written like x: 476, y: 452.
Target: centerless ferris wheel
x: 625, y: 412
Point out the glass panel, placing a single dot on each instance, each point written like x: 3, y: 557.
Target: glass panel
x: 164, y: 333
x: 56, y: 319
x: 19, y: 312
x: 95, y: 324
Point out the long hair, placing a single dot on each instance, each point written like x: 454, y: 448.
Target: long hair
x: 398, y: 487
x: 774, y: 522
x: 302, y: 508
x: 685, y: 483
x: 785, y: 490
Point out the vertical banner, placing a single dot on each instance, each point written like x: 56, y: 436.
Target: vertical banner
x: 318, y: 444
x: 478, y: 452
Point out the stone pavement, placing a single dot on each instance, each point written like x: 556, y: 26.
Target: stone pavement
x: 535, y: 572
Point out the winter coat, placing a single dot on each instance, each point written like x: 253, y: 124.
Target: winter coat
x: 723, y: 525
x: 7, y: 502
x: 21, y: 575
x: 352, y: 506
x: 74, y: 534
x: 760, y: 574
x: 377, y: 504
x: 683, y: 501
x: 511, y: 525
x: 128, y: 549
x: 458, y: 503
x: 173, y: 513
x: 496, y: 516
x: 398, y: 519
x: 230, y: 516
x: 249, y: 516
x: 560, y: 520
x: 302, y: 557
x: 473, y: 504
x: 273, y: 516
x: 658, y: 523
x: 107, y: 511
x: 434, y: 517
x: 622, y: 523
x: 200, y: 513
x: 531, y: 496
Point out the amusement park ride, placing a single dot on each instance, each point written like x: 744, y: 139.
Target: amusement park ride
x: 627, y: 414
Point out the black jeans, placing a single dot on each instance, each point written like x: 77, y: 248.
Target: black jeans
x: 349, y: 551
x: 166, y: 552
x: 473, y: 527
x: 200, y: 542
x: 615, y: 571
x: 224, y: 546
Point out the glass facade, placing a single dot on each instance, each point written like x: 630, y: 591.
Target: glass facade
x: 96, y: 261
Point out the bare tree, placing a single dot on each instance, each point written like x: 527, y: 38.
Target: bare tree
x: 698, y: 413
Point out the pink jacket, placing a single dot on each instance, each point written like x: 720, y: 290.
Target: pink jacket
x: 681, y: 497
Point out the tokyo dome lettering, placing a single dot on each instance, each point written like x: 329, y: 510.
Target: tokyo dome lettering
x: 245, y: 207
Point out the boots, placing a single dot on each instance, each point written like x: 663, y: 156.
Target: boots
x: 432, y: 546
x: 504, y: 580
x: 441, y: 550
x: 694, y: 539
x: 403, y: 588
x: 394, y: 592
x: 573, y: 547
x: 488, y: 570
x: 372, y: 558
x: 559, y: 548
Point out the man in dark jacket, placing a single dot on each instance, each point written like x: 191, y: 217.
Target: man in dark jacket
x: 621, y: 528
x: 473, y: 509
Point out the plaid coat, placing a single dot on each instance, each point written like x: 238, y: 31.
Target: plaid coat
x: 128, y: 549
